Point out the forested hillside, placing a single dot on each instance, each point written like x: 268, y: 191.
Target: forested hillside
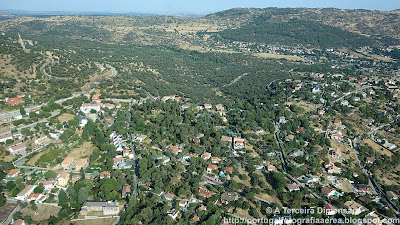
x: 296, y: 32
x: 229, y: 55
x: 378, y: 24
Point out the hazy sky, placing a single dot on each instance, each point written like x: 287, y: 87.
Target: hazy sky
x: 194, y: 6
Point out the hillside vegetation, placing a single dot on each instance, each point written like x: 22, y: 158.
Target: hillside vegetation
x: 296, y: 32
x: 198, y: 58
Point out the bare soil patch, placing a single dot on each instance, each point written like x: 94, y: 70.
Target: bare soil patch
x: 65, y: 117
x: 83, y: 151
x: 377, y: 148
x: 42, y: 213
x: 278, y: 56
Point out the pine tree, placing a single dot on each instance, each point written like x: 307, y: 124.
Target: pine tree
x: 22, y: 110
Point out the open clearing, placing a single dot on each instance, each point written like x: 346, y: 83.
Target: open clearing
x: 65, y: 117
x: 377, y: 148
x: 277, y: 56
x: 245, y: 182
x: 269, y: 198
x: 42, y: 213
x: 308, y: 107
x: 6, y: 158
x: 355, y: 120
x: 35, y: 158
x: 392, y: 138
x: 84, y: 151
x: 344, y: 149
x: 6, y: 210
x: 98, y: 221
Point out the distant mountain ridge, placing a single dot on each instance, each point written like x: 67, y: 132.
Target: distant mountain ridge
x: 365, y: 22
x: 327, y: 27
x: 94, y: 13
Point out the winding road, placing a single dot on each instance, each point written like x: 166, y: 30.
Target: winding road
x: 42, y: 70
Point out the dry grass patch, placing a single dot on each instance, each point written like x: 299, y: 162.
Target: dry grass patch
x: 83, y: 151
x: 65, y: 117
x: 269, y: 198
x: 307, y: 107
x: 98, y: 221
x: 42, y: 213
x: 392, y: 138
x: 355, y: 120
x: 245, y: 182
x: 377, y: 148
x: 344, y: 149
x: 388, y: 178
x: 6, y: 158
x: 278, y: 56
x: 35, y: 158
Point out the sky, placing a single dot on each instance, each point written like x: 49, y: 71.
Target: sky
x: 187, y: 6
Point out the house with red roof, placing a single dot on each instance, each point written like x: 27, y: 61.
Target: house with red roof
x: 175, y: 150
x: 206, y: 156
x: 211, y: 168
x: 14, y: 101
x: 205, y: 193
x: 105, y: 174
x: 229, y: 169
x: 215, y: 160
x: 13, y: 173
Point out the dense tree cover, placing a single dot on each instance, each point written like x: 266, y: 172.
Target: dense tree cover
x: 79, y: 193
x: 189, y: 73
x: 394, y: 54
x: 295, y: 32
x: 50, y: 174
x: 22, y: 60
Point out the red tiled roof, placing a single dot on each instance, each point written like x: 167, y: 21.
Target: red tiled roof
x: 13, y: 172
x: 229, y: 169
x: 212, y: 166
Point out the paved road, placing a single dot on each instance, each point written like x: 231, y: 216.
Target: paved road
x: 150, y: 96
x: 122, y: 100
x: 352, y: 92
x: 371, y: 181
x: 42, y: 69
x: 376, y: 130
x: 31, y: 167
x: 135, y: 158
x: 282, y: 152
x: 13, y: 114
x: 22, y: 160
x: 284, y: 164
x: 114, y: 72
x: 212, y: 180
x: 30, y: 125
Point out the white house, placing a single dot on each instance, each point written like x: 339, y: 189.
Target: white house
x: 83, y: 122
x: 6, y: 137
x: 48, y: 185
x: 86, y: 108
x: 140, y: 137
x: 164, y: 159
x: 55, y: 134
x: 23, y: 195
x: 173, y: 213
x: 315, y: 89
x: 18, y: 149
x: 354, y: 208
